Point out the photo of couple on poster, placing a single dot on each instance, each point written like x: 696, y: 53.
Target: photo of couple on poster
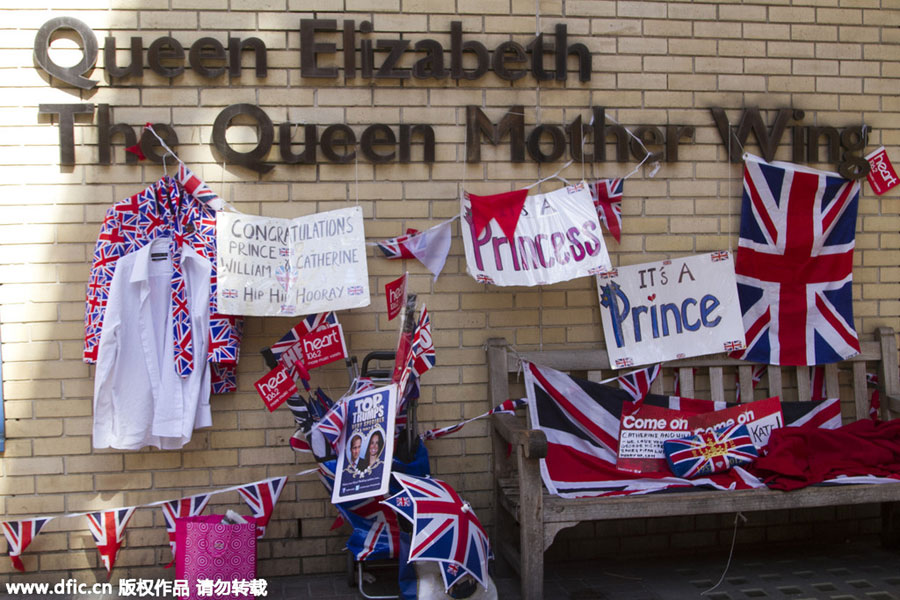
x: 366, y: 447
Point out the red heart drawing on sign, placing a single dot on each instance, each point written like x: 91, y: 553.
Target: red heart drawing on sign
x: 651, y: 298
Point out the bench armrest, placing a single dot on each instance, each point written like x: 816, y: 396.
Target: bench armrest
x: 513, y: 431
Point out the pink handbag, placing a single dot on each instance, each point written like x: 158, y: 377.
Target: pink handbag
x: 217, y: 560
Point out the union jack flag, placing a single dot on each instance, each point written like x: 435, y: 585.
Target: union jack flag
x: 637, y: 383
x: 445, y: 527
x: 229, y: 293
x: 261, y: 498
x: 108, y: 529
x: 355, y: 290
x: 376, y: 531
x: 710, y: 451
x: 398, y: 247
x: 176, y: 509
x: 719, y: 256
x: 733, y: 345
x: 19, y: 534
x: 607, y: 196
x: 331, y: 426
x: 423, y: 357
x: 794, y: 264
x: 624, y: 362
x: 284, y: 252
x: 483, y: 279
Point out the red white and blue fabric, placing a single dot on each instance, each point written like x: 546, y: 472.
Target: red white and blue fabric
x: 19, y: 534
x: 331, y: 426
x: 108, y: 529
x: 177, y: 509
x: 794, y: 264
x: 421, y: 356
x: 296, y: 333
x: 261, y: 497
x: 178, y: 208
x: 445, y: 528
x: 710, y: 452
x: 403, y: 505
x: 755, y: 378
x: 581, y: 421
x: 376, y: 531
x: 607, y: 196
x: 817, y: 388
x: 397, y: 248
x: 875, y: 398
x: 507, y: 406
x: 637, y: 383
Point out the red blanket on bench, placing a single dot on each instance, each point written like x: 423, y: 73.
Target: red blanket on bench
x: 801, y: 456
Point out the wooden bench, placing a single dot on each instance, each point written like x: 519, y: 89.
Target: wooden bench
x: 527, y: 517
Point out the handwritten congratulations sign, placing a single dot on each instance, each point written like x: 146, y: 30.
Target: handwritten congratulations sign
x: 557, y: 238
x: 671, y: 309
x: 290, y: 267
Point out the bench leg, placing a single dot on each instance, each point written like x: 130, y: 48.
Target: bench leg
x: 531, y: 530
x: 890, y: 524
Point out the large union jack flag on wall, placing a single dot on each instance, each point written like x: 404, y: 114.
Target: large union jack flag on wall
x: 794, y: 264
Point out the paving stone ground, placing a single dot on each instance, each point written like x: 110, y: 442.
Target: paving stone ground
x: 860, y: 570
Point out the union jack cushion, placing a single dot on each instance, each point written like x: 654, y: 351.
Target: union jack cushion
x: 710, y: 452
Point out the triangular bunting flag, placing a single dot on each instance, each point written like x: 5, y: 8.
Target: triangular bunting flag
x: 176, y: 509
x: 19, y: 534
x: 607, y: 196
x: 108, y: 529
x: 432, y: 246
x: 261, y: 498
x: 398, y: 247
x: 504, y: 208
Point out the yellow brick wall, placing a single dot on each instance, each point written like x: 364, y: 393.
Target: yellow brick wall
x: 654, y: 62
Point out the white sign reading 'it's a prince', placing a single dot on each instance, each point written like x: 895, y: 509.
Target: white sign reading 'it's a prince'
x: 289, y: 267
x: 670, y: 309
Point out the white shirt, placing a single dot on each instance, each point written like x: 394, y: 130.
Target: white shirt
x: 139, y: 398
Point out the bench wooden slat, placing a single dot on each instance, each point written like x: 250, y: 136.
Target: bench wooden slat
x: 745, y: 381
x: 716, y: 384
x: 803, y: 392
x: 832, y: 386
x: 686, y: 382
x: 776, y: 388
